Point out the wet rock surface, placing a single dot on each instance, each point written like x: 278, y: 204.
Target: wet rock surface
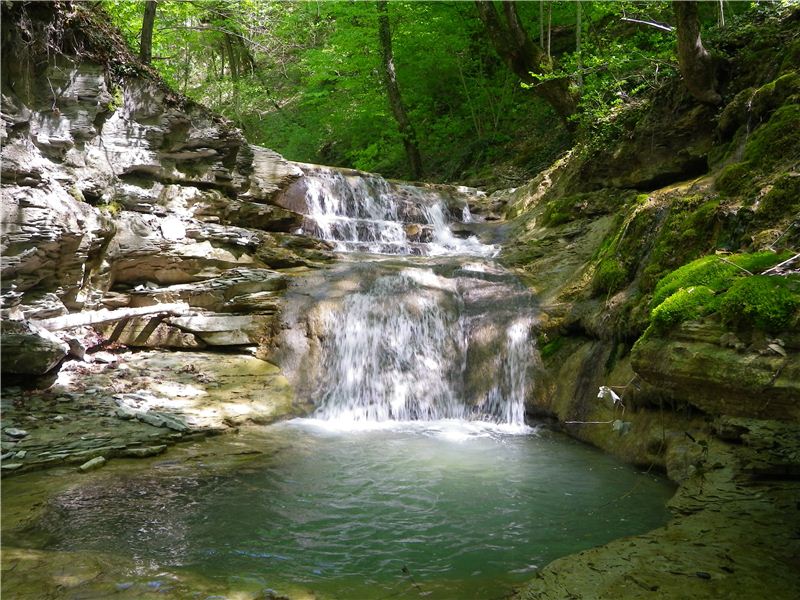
x: 136, y: 405
x: 734, y: 535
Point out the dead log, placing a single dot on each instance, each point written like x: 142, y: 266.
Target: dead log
x: 93, y: 317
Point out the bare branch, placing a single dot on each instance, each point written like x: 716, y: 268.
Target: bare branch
x: 661, y: 26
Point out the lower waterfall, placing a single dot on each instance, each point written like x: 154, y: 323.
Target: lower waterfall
x: 398, y: 351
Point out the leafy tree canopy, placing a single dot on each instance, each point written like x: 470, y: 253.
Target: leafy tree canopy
x: 305, y: 78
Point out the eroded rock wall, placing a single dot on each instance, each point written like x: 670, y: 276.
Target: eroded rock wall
x: 117, y: 193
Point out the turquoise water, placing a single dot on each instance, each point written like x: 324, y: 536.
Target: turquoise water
x: 438, y: 510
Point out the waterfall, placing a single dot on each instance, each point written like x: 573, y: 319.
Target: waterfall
x: 366, y: 213
x: 399, y: 351
x: 394, y: 353
x: 439, y: 332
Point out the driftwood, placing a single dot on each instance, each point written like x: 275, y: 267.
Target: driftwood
x: 93, y: 317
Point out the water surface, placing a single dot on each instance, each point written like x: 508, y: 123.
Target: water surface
x: 440, y: 510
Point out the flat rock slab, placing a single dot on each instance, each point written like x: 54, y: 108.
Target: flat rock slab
x: 138, y: 406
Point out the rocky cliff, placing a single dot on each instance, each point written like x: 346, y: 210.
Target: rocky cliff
x: 118, y: 194
x: 668, y: 270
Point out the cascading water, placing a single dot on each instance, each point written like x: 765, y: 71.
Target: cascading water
x: 366, y: 213
x: 407, y: 339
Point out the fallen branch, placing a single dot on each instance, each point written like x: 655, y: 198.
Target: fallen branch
x: 778, y: 267
x: 661, y: 26
x: 93, y: 317
x: 733, y: 264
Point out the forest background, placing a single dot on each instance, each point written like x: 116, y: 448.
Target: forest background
x: 309, y: 79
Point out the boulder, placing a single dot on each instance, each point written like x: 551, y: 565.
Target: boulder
x: 225, y: 330
x: 29, y: 349
x: 697, y: 364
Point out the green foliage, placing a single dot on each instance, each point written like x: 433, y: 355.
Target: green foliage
x: 769, y: 303
x: 305, y: 79
x: 686, y: 304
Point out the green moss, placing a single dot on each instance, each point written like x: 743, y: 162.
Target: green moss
x: 791, y: 56
x: 116, y: 100
x: 556, y: 218
x: 684, y: 305
x: 735, y: 179
x: 688, y: 231
x: 76, y: 193
x: 611, y: 276
x: 777, y: 139
x: 550, y: 348
x: 565, y: 209
x: 782, y: 200
x: 713, y: 272
x: 770, y: 303
x: 112, y: 208
x: 774, y: 94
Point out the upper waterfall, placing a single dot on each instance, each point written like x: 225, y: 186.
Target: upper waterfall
x: 363, y: 212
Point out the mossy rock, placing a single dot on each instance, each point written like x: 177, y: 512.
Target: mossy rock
x: 791, y: 57
x: 770, y: 97
x: 734, y: 115
x: 689, y: 230
x: 777, y: 140
x: 714, y: 272
x: 769, y: 303
x: 568, y: 208
x: 735, y: 179
x: 782, y: 200
x: 686, y: 304
x: 548, y: 348
x: 611, y: 276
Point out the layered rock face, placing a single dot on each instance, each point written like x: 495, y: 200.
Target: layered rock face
x: 116, y: 194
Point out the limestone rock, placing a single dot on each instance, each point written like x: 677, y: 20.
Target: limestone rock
x: 91, y: 465
x: 14, y: 432
x: 149, y: 332
x: 250, y: 289
x: 225, y: 330
x: 692, y: 364
x: 29, y: 349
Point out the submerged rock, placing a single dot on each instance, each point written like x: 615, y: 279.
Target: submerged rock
x: 92, y: 464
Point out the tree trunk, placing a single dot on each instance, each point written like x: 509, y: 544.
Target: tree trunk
x: 696, y: 64
x: 393, y: 91
x: 525, y: 58
x: 146, y: 40
x: 233, y: 62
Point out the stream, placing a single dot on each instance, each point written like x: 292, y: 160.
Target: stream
x: 416, y: 474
